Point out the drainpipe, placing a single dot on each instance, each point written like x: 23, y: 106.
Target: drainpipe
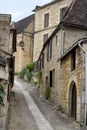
x: 62, y: 41
x: 79, y: 44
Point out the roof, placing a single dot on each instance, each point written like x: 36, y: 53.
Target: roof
x: 22, y: 24
x: 46, y: 5
x: 75, y: 45
x: 77, y: 14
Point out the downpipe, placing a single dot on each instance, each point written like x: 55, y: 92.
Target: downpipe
x: 85, y: 118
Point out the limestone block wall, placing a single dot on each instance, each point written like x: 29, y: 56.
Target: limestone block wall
x: 4, y: 31
x: 54, y: 19
x: 60, y: 92
x: 67, y: 77
x: 72, y: 35
x: 24, y: 55
x: 50, y: 65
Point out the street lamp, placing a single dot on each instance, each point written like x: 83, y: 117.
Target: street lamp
x: 22, y: 42
x: 29, y: 34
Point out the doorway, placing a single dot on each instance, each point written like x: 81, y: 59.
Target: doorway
x: 73, y: 100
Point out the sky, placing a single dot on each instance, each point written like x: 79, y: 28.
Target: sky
x: 20, y: 9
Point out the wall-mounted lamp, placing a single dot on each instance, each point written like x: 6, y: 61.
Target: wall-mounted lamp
x: 28, y: 34
x: 21, y: 43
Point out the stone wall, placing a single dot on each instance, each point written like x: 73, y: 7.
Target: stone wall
x: 24, y: 55
x: 67, y: 77
x: 64, y: 77
x: 54, y: 19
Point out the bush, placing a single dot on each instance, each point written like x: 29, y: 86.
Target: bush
x: 2, y: 94
x: 22, y: 73
x: 47, y: 92
x: 39, y: 76
x: 30, y: 67
x: 60, y: 109
x: 28, y: 75
x: 27, y: 71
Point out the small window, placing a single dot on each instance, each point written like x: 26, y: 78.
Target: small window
x: 56, y: 40
x: 40, y: 64
x: 45, y: 37
x: 14, y: 38
x: 46, y: 20
x: 46, y: 81
x: 43, y: 61
x: 49, y: 50
x: 63, y: 12
x: 73, y: 60
x: 51, y: 79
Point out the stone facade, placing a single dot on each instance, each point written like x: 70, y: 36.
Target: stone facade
x: 63, y: 77
x: 7, y: 47
x: 53, y: 9
x: 24, y: 54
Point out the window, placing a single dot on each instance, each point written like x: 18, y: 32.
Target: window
x: 43, y: 61
x: 13, y: 36
x: 56, y: 40
x: 73, y: 60
x: 46, y: 81
x: 49, y: 50
x: 63, y: 12
x: 45, y: 37
x: 40, y: 64
x: 52, y: 78
x: 46, y: 20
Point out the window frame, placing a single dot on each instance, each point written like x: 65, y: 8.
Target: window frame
x: 46, y: 20
x: 45, y: 37
x: 73, y: 60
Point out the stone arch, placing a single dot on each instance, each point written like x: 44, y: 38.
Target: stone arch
x: 72, y: 100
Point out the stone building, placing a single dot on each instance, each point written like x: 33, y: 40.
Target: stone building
x: 24, y: 53
x: 7, y: 48
x: 63, y: 63
x: 47, y: 18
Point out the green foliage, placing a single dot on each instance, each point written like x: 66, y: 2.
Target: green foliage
x: 27, y: 72
x: 39, y: 76
x: 28, y: 75
x: 22, y: 73
x: 30, y: 67
x: 2, y: 94
x: 16, y: 73
x: 60, y: 109
x: 47, y: 92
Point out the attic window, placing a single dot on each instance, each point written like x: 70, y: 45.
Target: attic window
x: 63, y: 12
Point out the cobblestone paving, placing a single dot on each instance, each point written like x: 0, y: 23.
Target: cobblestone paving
x: 22, y: 118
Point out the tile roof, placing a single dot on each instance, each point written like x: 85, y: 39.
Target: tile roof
x: 77, y: 14
x: 22, y: 24
x: 46, y: 5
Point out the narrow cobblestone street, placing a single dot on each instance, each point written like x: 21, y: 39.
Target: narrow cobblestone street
x: 29, y: 112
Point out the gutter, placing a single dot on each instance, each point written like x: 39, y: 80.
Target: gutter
x: 84, y: 51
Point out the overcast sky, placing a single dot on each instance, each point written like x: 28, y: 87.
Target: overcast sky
x: 20, y: 8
